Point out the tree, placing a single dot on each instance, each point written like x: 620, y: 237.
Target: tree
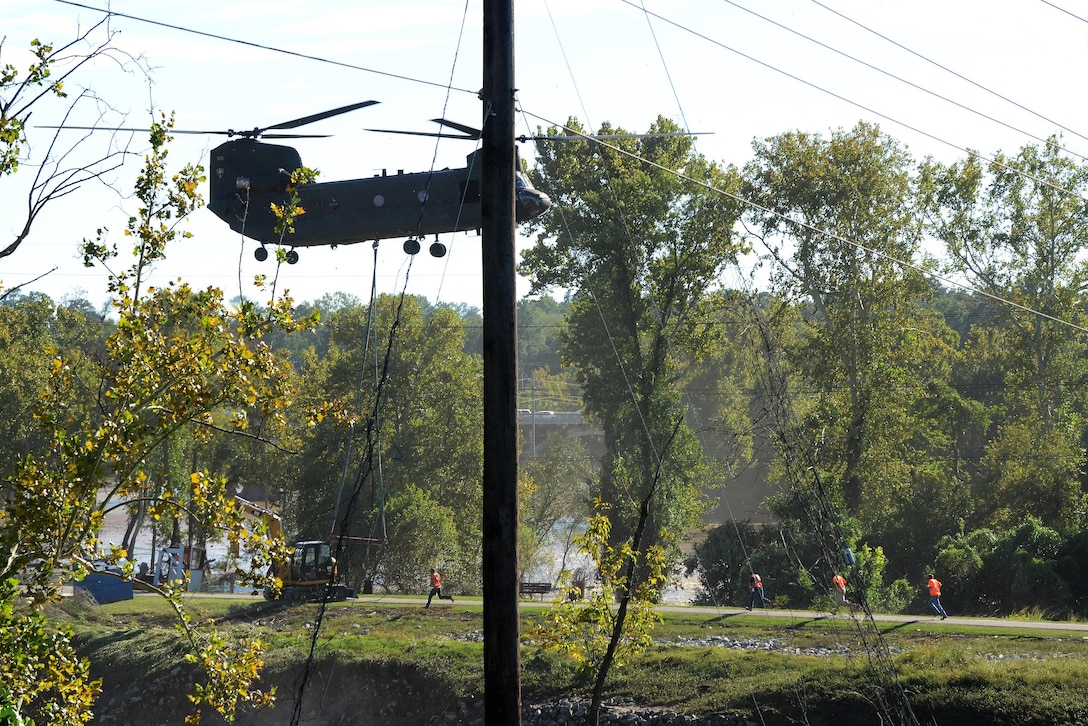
x: 177, y: 361
x: 592, y: 631
x: 409, y: 434
x: 639, y: 238
x: 555, y: 498
x: 55, y: 173
x: 29, y: 325
x: 640, y: 235
x: 1015, y: 228
x: 836, y: 215
x: 540, y: 323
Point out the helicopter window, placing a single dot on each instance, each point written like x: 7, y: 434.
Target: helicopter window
x: 379, y: 200
x: 470, y: 191
x: 422, y: 195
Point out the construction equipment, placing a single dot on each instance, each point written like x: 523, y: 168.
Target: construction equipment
x: 311, y: 574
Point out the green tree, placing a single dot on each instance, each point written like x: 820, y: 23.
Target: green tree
x: 1015, y: 228
x: 541, y: 322
x: 176, y: 360
x: 555, y: 498
x: 409, y: 431
x: 30, y: 324
x: 592, y: 631
x: 836, y: 214
x: 639, y: 238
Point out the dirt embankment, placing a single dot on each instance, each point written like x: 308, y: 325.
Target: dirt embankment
x: 335, y: 693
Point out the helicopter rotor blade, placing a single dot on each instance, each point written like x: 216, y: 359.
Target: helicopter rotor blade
x: 251, y: 134
x: 469, y: 131
x: 318, y: 116
x: 431, y: 134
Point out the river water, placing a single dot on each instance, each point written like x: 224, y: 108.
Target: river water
x: 113, y: 532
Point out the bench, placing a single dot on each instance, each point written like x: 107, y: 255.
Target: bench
x: 534, y: 588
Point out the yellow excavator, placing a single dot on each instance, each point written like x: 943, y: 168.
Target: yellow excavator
x: 310, y: 574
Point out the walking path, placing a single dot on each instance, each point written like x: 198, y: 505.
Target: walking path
x: 795, y: 615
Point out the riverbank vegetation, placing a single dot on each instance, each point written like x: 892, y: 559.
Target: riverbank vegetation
x: 397, y: 663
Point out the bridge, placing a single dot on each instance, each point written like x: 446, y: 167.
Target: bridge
x: 536, y: 426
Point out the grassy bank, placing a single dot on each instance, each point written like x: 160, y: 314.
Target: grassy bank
x: 401, y: 664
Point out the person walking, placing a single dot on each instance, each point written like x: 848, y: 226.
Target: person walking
x: 436, y: 589
x: 755, y: 584
x: 840, y: 588
x: 934, y: 586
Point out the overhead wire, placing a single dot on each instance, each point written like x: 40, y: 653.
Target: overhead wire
x: 365, y: 470
x: 434, y: 158
x: 900, y: 79
x: 262, y: 46
x: 648, y: 13
x: 1067, y: 12
x: 831, y: 235
x: 802, y: 472
x: 665, y: 66
x: 587, y: 286
x: 904, y: 710
x: 371, y: 465
x: 877, y: 647
x: 641, y: 8
x: 946, y: 69
x: 903, y: 124
x: 709, y: 187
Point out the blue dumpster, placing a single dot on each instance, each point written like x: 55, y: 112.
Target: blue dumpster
x: 105, y: 588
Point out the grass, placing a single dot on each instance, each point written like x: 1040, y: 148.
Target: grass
x: 952, y: 674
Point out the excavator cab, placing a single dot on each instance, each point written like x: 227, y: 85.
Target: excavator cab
x: 312, y: 563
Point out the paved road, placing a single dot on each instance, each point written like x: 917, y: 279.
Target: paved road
x: 798, y: 616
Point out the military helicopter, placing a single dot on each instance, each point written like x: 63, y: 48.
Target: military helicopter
x: 247, y: 176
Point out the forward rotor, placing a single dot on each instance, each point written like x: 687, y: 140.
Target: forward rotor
x: 255, y: 133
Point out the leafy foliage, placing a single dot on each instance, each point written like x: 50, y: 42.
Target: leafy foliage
x: 42, y: 680
x: 640, y: 248
x: 176, y: 359
x: 582, y: 628
x: 14, y: 110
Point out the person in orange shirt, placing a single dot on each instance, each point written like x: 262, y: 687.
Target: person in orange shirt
x: 755, y: 584
x: 840, y: 588
x: 436, y: 589
x: 934, y: 586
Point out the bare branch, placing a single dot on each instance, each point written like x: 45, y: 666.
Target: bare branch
x: 58, y: 172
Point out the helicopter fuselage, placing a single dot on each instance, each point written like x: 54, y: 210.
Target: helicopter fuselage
x: 248, y: 177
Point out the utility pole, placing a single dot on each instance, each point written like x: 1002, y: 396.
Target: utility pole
x: 502, y: 659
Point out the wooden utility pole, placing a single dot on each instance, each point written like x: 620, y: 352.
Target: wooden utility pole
x: 502, y: 660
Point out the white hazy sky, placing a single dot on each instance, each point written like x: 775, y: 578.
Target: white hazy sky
x: 942, y: 77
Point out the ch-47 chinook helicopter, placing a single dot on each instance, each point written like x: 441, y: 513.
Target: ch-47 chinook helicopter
x: 247, y: 176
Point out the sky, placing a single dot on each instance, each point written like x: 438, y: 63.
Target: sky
x: 941, y: 77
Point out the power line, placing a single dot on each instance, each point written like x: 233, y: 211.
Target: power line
x: 269, y: 48
x: 891, y: 75
x: 1067, y: 12
x: 844, y: 99
x: 946, y: 69
x: 832, y: 235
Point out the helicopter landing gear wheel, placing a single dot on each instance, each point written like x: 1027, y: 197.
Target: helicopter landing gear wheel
x: 261, y: 253
x: 411, y: 246
x: 292, y: 257
x: 437, y: 249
